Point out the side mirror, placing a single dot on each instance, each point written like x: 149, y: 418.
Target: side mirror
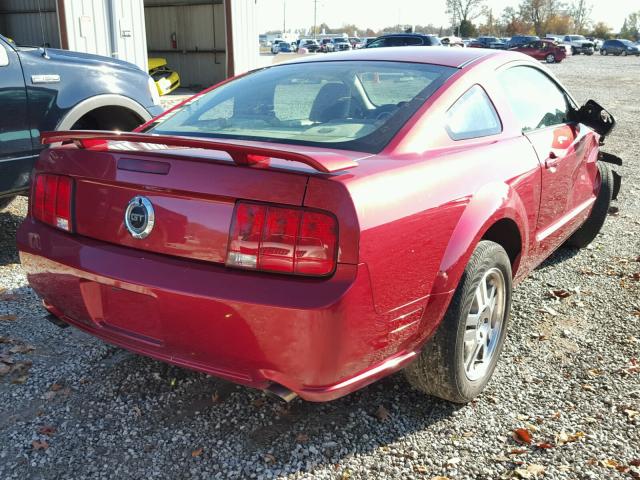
x: 594, y: 116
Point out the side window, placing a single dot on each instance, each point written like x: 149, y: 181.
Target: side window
x: 408, y: 41
x: 472, y: 116
x: 536, y: 100
x: 378, y: 43
x: 4, y: 58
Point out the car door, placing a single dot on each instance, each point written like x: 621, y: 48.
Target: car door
x: 566, y: 152
x: 16, y: 152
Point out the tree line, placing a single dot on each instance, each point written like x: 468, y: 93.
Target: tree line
x: 470, y: 18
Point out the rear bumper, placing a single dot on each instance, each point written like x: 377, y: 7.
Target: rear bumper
x: 320, y: 338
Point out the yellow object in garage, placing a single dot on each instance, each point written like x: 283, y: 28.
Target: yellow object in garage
x: 166, y: 79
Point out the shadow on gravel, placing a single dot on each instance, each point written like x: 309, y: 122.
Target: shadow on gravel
x: 9, y: 224
x: 561, y: 255
x: 220, y: 417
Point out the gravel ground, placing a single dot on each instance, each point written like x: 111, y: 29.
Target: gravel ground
x: 74, y: 407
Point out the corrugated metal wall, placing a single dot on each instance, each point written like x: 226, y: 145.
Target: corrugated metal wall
x: 200, y: 33
x: 21, y: 21
x: 246, y: 47
x: 89, y: 29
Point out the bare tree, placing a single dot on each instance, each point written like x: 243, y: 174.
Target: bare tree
x: 581, y: 10
x: 465, y: 10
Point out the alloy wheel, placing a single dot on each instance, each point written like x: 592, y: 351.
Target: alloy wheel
x: 484, y: 324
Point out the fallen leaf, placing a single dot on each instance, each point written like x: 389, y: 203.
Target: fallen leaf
x: 636, y: 276
x: 382, y: 414
x: 47, y: 430
x: 24, y: 348
x: 215, y: 397
x: 197, y: 453
x: 614, y: 211
x: 544, y: 445
x: 20, y: 379
x: 8, y: 297
x: 631, y: 414
x: 440, y: 477
x: 8, y: 318
x: 453, y: 461
x: 609, y: 463
x: 518, y: 451
x: 346, y: 474
x: 531, y: 471
x: 4, y: 339
x: 302, y: 438
x: 259, y: 402
x: 55, y: 387
x: 421, y: 469
x: 588, y: 388
x: 636, y: 461
x: 4, y: 369
x: 563, y: 438
x: 269, y: 458
x: 39, y: 444
x: 559, y: 293
x: 522, y: 435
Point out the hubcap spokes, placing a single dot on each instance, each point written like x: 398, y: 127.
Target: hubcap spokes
x: 484, y: 324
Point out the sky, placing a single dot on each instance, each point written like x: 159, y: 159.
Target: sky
x: 381, y: 13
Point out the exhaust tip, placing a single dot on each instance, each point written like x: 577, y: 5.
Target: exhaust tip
x: 280, y: 391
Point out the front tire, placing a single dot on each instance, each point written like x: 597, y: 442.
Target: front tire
x: 603, y: 52
x: 458, y: 361
x: 592, y: 226
x: 624, y: 53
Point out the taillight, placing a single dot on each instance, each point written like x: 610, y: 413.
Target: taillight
x: 51, y: 202
x: 281, y: 239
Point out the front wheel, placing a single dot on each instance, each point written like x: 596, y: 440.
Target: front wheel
x: 624, y: 53
x: 551, y: 58
x: 458, y: 361
x: 603, y: 52
x: 592, y: 226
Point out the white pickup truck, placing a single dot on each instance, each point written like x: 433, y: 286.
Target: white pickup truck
x: 579, y: 44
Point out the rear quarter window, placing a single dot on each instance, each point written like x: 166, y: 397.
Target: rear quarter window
x: 473, y: 116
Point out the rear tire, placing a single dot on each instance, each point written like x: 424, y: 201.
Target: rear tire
x: 4, y: 202
x: 592, y: 226
x: 458, y: 361
x: 603, y: 52
x: 624, y: 53
x: 551, y: 58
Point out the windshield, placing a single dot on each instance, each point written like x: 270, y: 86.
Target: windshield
x: 351, y: 105
x: 627, y: 42
x: 577, y: 37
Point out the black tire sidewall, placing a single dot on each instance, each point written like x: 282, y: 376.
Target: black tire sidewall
x: 5, y: 201
x: 491, y: 255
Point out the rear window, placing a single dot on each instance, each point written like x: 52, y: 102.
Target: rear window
x: 350, y: 105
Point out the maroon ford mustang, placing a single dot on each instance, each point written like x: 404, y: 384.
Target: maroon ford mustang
x: 314, y: 226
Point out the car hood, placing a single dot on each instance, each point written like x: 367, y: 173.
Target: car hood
x: 88, y: 59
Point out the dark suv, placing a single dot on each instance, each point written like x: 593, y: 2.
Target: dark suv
x: 619, y: 47
x: 404, y: 40
x: 47, y: 89
x: 519, y: 40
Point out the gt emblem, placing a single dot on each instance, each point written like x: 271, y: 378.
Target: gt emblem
x: 139, y: 217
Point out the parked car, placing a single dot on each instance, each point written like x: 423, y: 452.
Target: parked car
x: 309, y: 44
x: 579, y: 44
x: 597, y: 42
x: 382, y: 229
x: 355, y: 42
x: 619, y: 47
x: 284, y: 47
x: 167, y: 80
x: 326, y: 45
x: 275, y: 45
x: 546, y: 50
x: 367, y: 41
x: 488, y: 42
x: 404, y: 40
x: 452, y: 41
x: 518, y: 40
x: 340, y: 44
x: 63, y: 90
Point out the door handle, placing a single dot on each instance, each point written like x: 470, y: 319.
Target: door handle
x: 551, y: 161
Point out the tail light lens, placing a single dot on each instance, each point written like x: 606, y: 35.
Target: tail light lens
x: 51, y: 202
x: 281, y: 239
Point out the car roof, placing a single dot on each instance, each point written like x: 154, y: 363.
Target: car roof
x: 445, y: 56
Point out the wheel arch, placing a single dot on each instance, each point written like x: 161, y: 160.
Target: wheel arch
x: 100, y: 101
x: 495, y: 213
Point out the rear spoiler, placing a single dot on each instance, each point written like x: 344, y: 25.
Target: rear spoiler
x: 241, y: 154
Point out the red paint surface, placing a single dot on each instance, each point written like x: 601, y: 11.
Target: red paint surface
x: 408, y: 220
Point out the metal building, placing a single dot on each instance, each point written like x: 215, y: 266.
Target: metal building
x: 204, y: 40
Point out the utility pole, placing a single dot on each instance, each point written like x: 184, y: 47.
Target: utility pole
x: 284, y: 16
x: 315, y: 17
